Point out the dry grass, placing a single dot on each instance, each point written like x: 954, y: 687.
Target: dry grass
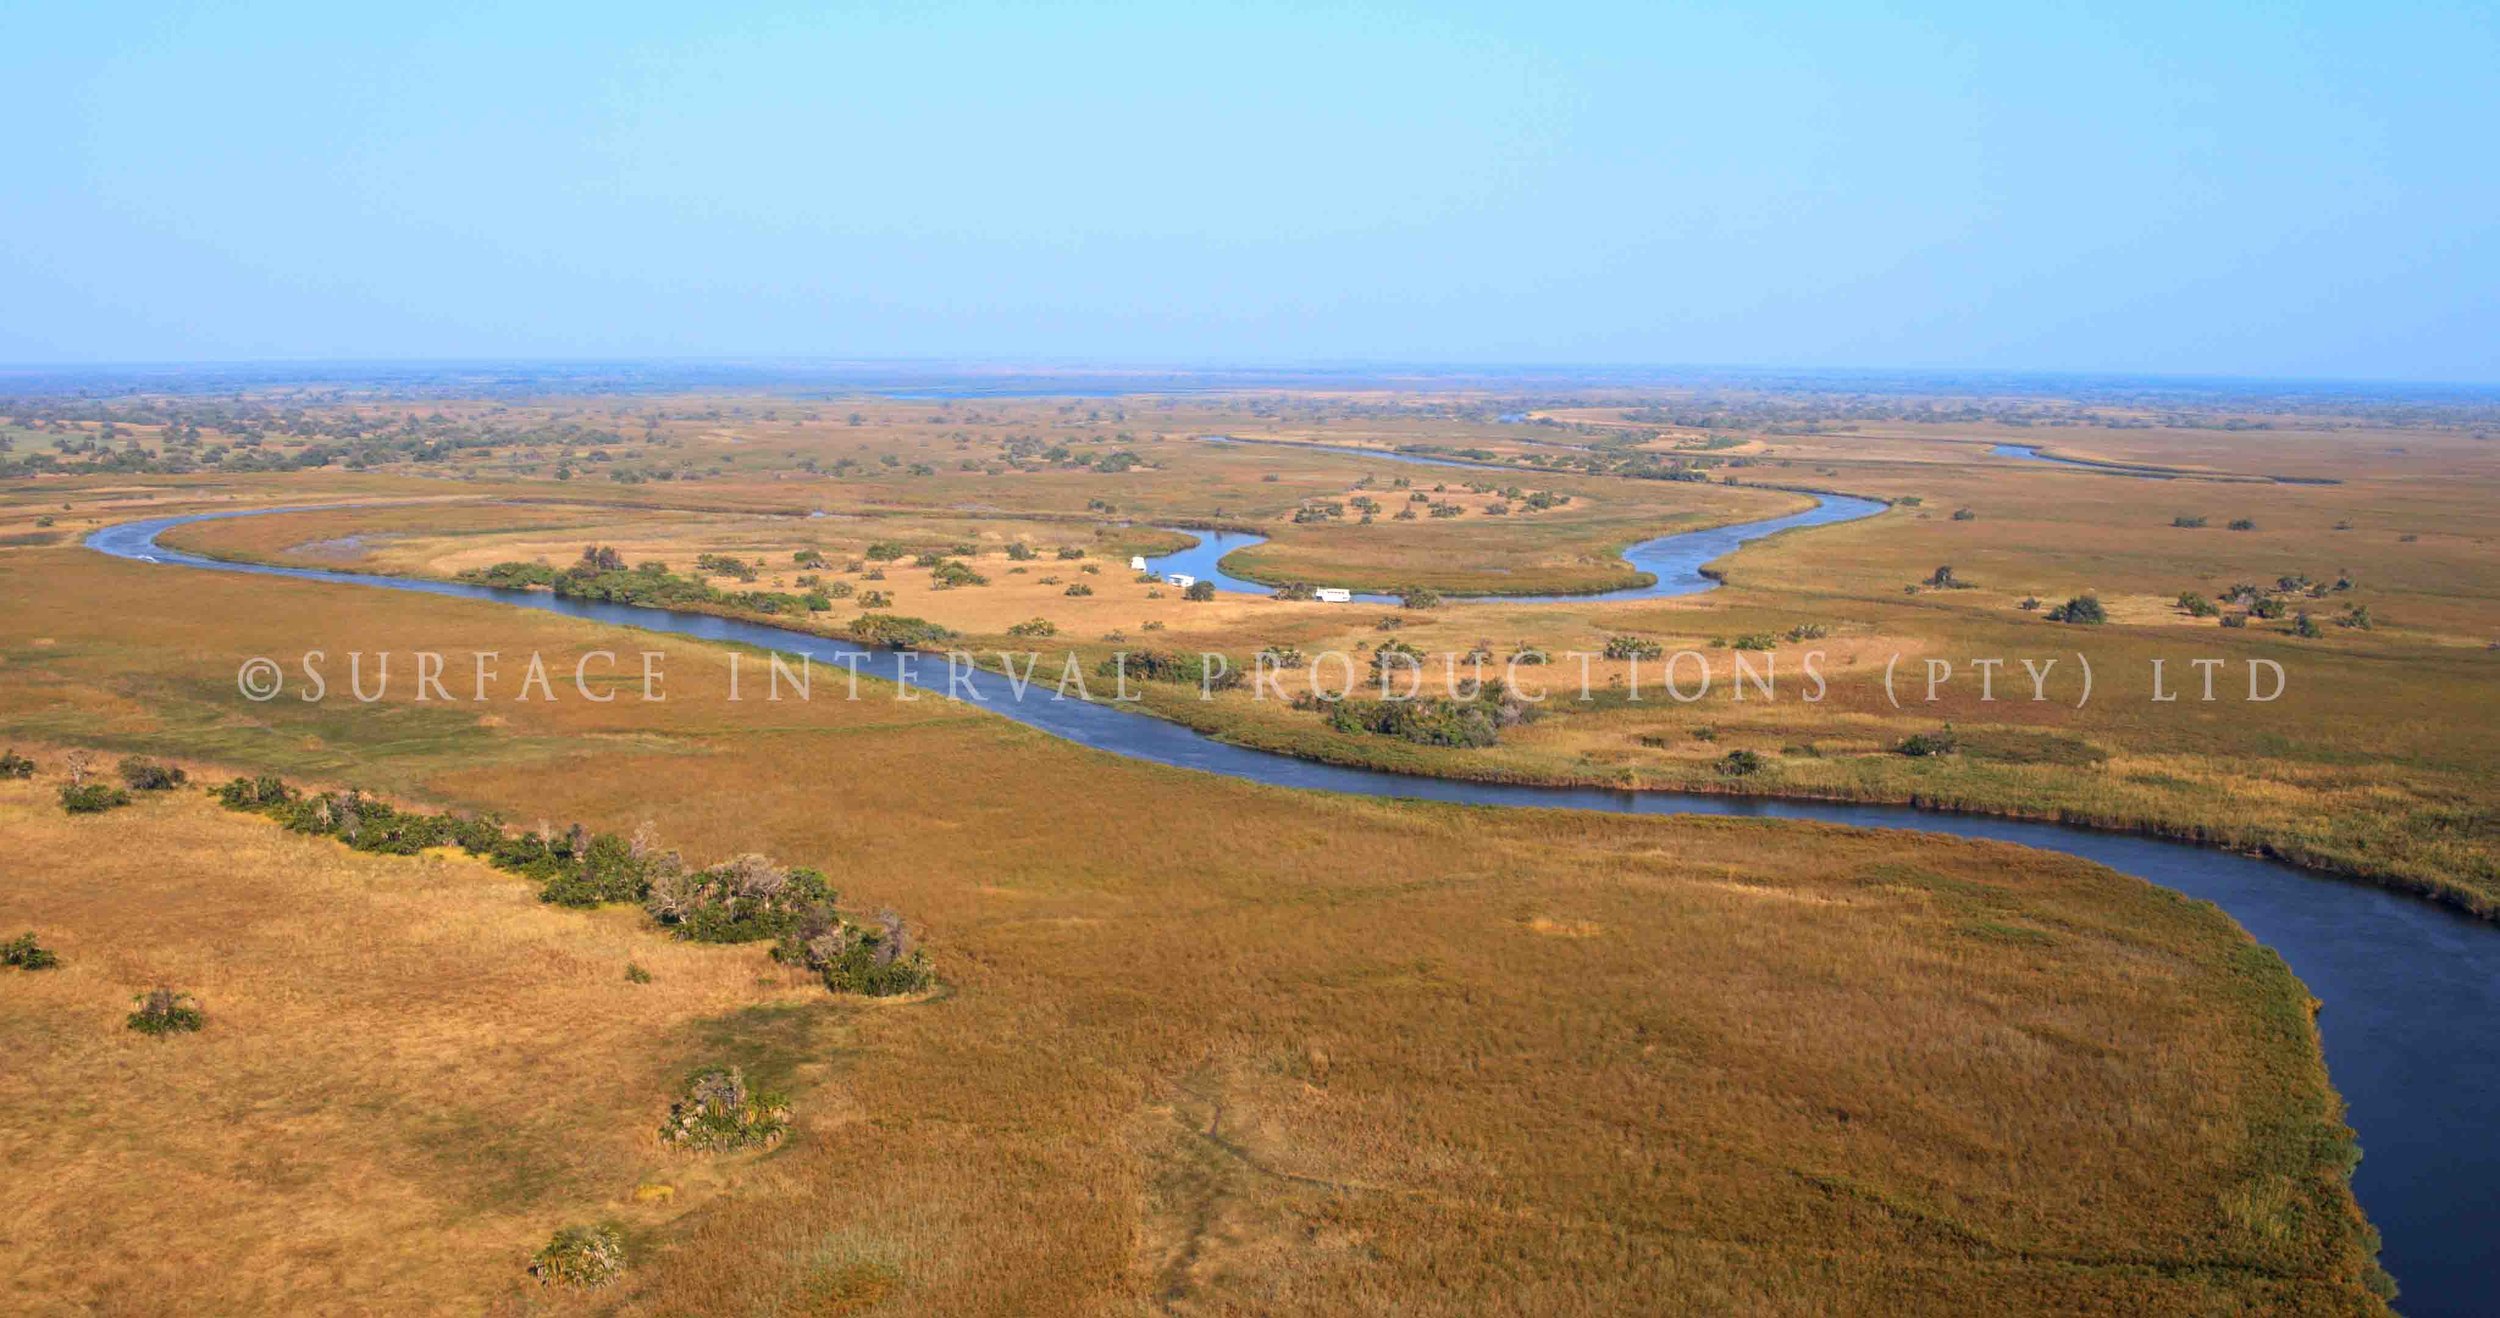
x: 1207, y: 1046
x: 412, y: 1070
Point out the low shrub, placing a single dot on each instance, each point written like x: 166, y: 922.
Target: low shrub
x: 92, y: 798
x: 146, y: 775
x: 583, y: 1257
x: 163, y: 1011
x: 1419, y: 597
x: 2243, y: 524
x: 721, y: 1112
x: 1919, y: 745
x: 14, y: 765
x: 1432, y: 721
x: 897, y: 631
x: 25, y: 954
x: 949, y: 574
x: 1740, y: 764
x: 1165, y: 666
x: 2197, y: 606
x: 878, y: 962
x: 2084, y: 610
x: 1034, y: 627
x: 1633, y: 647
x: 1078, y: 591
x: 2186, y: 522
x: 1199, y: 592
x: 741, y: 900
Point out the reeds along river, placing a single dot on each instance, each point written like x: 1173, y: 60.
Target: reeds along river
x: 2411, y: 989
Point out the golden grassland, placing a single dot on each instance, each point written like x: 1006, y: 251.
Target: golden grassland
x: 2375, y: 762
x: 1206, y: 1046
x: 412, y: 1068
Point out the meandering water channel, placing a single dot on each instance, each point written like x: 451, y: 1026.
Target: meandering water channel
x: 2412, y: 989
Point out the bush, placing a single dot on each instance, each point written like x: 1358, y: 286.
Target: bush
x: 146, y: 775
x: 1034, y: 627
x: 948, y: 574
x: 2197, y: 606
x: 1419, y: 597
x: 1297, y: 590
x: 2187, y: 522
x: 23, y: 953
x: 2085, y: 610
x: 1919, y: 745
x: 879, y: 962
x: 1633, y: 647
x: 720, y: 1112
x: 92, y: 798
x: 1078, y: 591
x: 897, y: 631
x: 1163, y: 666
x: 2243, y: 524
x: 1965, y: 515
x: 1199, y: 592
x: 2235, y: 620
x: 255, y: 793
x: 1739, y: 764
x: 162, y: 1011
x: 2304, y: 625
x: 741, y: 900
x: 584, y: 1257
x: 14, y: 765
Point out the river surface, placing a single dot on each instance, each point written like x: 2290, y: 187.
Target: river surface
x: 2412, y: 989
x: 1674, y: 562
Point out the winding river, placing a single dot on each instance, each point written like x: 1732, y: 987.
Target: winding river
x: 1674, y: 562
x: 2411, y: 988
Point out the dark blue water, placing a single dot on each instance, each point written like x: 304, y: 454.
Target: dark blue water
x: 2412, y: 989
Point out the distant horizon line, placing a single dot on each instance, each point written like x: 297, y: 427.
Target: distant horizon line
x: 939, y: 367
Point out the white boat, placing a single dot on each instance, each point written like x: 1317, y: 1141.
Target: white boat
x: 1333, y: 595
x: 1181, y: 579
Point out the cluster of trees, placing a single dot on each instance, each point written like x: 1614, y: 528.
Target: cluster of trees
x: 1473, y: 721
x: 745, y: 899
x: 1165, y: 666
x: 600, y: 574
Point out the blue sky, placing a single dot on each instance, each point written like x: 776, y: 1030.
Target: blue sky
x: 2276, y: 190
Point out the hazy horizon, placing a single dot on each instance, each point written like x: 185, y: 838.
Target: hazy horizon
x: 2249, y: 194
